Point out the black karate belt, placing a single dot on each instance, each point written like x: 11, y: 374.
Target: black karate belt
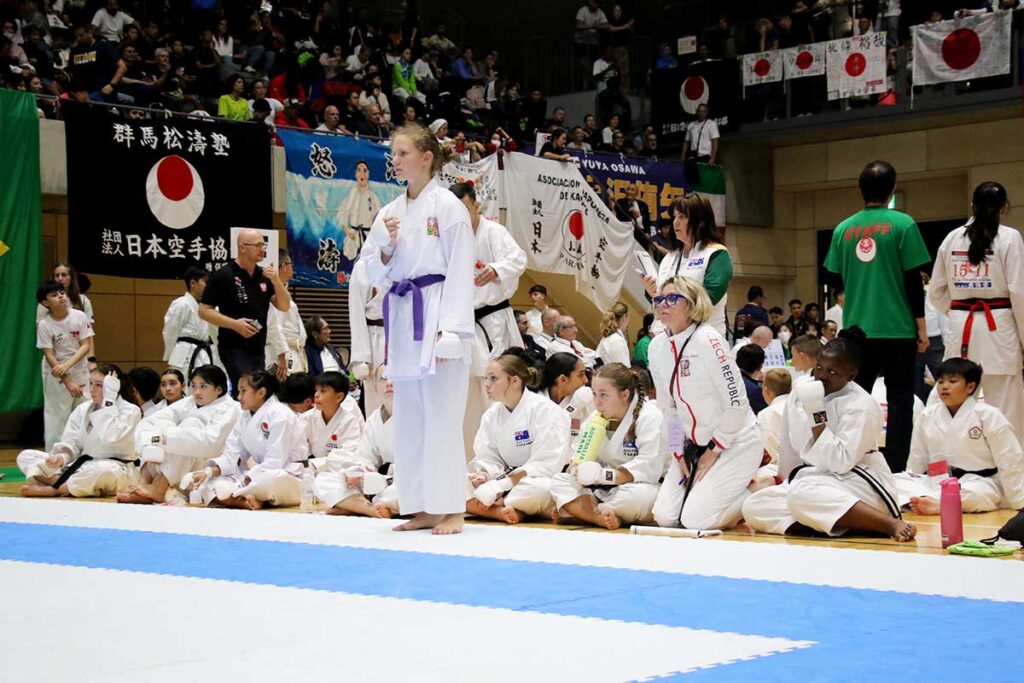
x: 484, y: 311
x: 200, y: 346
x: 375, y: 322
x: 77, y: 465
x: 691, y: 455
x: 959, y: 473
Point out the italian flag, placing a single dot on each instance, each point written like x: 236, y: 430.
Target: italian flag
x: 712, y: 186
x: 20, y: 251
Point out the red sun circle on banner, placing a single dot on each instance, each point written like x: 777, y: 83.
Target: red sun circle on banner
x: 804, y: 60
x: 576, y: 224
x: 693, y: 93
x: 961, y: 49
x: 762, y: 67
x: 175, y: 192
x: 856, y: 64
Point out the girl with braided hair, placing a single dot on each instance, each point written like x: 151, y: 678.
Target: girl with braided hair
x: 613, y: 479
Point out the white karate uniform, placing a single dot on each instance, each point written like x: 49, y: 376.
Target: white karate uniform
x: 835, y: 314
x: 286, y: 334
x: 193, y: 434
x: 770, y: 421
x: 498, y: 331
x: 434, y: 238
x: 878, y: 392
x: 105, y: 433
x: 356, y: 213
x: 614, y: 349
x: 559, y: 345
x: 578, y: 406
x: 998, y: 351
x: 262, y: 457
x: 332, y: 445
x: 535, y: 326
x: 977, y: 438
x: 693, y: 266
x: 182, y: 320
x: 364, y: 304
x: 844, y: 467
x: 374, y: 450
x: 534, y: 438
x: 708, y: 397
x: 63, y: 336
x: 643, y: 457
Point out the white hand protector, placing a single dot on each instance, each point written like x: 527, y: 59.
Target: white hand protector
x: 812, y: 397
x: 489, y: 491
x: 225, y: 488
x: 374, y: 483
x: 590, y: 473
x: 361, y: 371
x: 448, y: 346
x: 151, y: 454
x: 111, y: 388
x: 581, y: 397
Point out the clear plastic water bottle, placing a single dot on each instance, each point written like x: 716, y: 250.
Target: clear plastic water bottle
x: 306, y: 490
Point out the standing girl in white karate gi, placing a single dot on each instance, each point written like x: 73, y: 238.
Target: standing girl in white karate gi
x: 978, y: 281
x: 262, y: 459
x: 614, y: 347
x: 564, y: 381
x: 179, y: 439
x: 836, y: 478
x: 421, y: 251
x: 499, y: 264
x: 522, y: 442
x: 365, y: 319
x: 711, y: 431
x: 95, y: 454
x: 620, y: 483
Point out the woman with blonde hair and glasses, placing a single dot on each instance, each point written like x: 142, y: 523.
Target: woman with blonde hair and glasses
x: 712, y: 433
x: 421, y: 252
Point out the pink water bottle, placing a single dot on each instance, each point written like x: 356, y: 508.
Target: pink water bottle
x: 951, y: 513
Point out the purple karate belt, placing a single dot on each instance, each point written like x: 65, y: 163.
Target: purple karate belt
x: 401, y: 288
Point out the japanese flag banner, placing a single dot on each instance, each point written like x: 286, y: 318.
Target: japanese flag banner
x: 149, y: 198
x: 564, y: 227
x: 962, y: 49
x: 486, y: 181
x: 855, y: 66
x: 762, y: 67
x: 805, y: 60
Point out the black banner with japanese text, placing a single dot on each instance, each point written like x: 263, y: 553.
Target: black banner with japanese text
x: 148, y: 198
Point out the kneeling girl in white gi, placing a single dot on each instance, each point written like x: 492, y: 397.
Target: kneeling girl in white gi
x: 261, y: 463
x: 838, y: 481
x: 522, y: 442
x: 962, y: 438
x: 180, y: 438
x: 335, y: 429
x: 564, y: 381
x: 711, y: 431
x: 94, y: 456
x: 617, y: 481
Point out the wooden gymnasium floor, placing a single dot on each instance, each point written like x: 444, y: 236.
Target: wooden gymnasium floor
x: 976, y: 526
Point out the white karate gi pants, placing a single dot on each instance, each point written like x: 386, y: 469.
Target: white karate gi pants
x: 977, y: 494
x: 96, y: 478
x: 631, y: 502
x: 57, y: 407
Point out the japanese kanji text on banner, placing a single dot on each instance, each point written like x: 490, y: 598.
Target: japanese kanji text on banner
x: 565, y: 227
x: 856, y: 66
x: 147, y: 199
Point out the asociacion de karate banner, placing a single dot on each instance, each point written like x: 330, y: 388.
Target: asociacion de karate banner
x: 149, y: 198
x: 962, y: 49
x: 335, y: 186
x: 565, y: 227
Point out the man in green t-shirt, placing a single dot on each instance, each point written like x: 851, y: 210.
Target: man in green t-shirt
x: 878, y: 252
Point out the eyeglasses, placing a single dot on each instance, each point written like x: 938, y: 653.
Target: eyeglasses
x: 669, y: 300
x: 286, y: 263
x: 259, y: 245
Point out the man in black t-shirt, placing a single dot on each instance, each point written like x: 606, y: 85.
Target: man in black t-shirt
x: 96, y: 65
x: 237, y: 299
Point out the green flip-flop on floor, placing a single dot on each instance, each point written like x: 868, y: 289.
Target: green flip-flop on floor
x: 980, y: 549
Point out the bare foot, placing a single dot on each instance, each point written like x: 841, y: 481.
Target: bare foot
x: 382, y: 511
x: 251, y: 503
x: 134, y: 497
x: 38, y: 491
x: 337, y: 511
x: 511, y: 515
x: 608, y: 519
x: 903, y: 531
x: 924, y: 505
x: 449, y: 524
x: 421, y: 520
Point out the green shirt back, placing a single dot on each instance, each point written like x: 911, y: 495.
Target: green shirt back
x: 871, y: 250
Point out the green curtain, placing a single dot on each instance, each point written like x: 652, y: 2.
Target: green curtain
x: 20, y: 251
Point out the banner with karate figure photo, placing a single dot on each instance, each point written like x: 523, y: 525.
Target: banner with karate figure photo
x: 335, y: 186
x: 564, y: 227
